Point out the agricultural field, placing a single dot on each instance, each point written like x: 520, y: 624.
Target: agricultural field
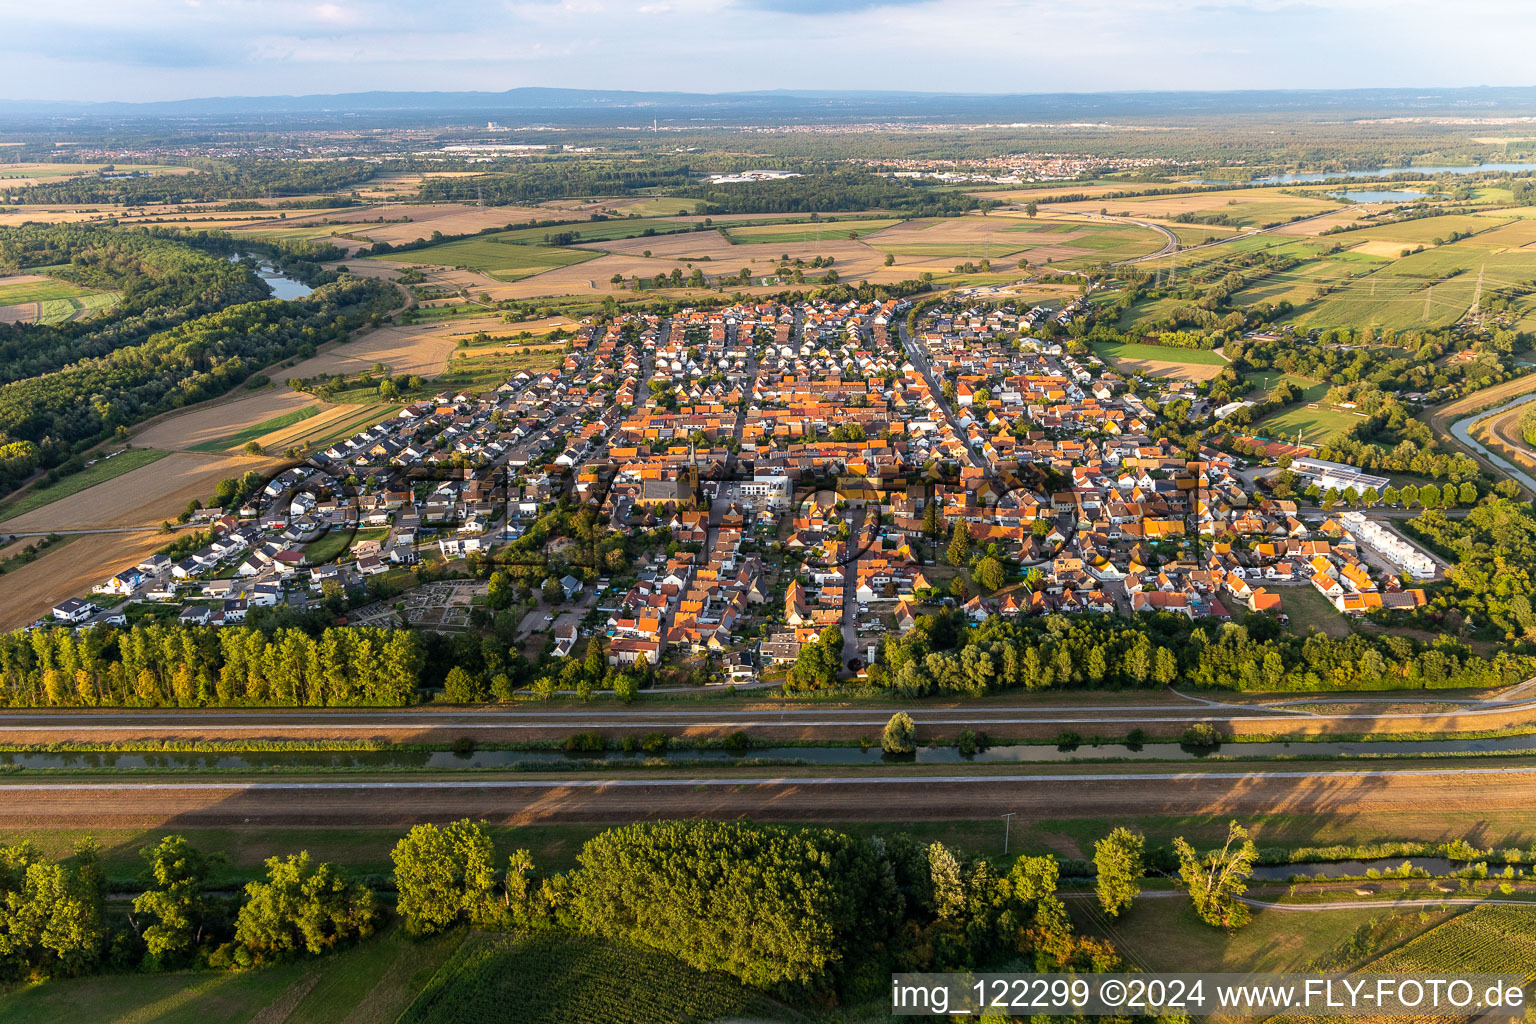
x: 773, y: 234
x: 419, y: 350
x: 70, y: 570
x: 555, y: 978
x: 1054, y: 239
x: 502, y: 261
x: 105, y: 469
x: 1494, y: 939
x: 251, y: 433
x: 1433, y: 288
x: 144, y: 496
x: 31, y: 298
x: 137, y: 501
x: 1300, y: 284
x: 1158, y: 361
x: 1242, y: 208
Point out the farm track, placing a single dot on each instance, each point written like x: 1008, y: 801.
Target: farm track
x: 875, y: 796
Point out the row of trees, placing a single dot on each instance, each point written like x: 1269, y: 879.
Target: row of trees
x: 55, y: 922
x: 793, y: 909
x: 175, y: 665
x: 801, y: 911
x: 942, y: 654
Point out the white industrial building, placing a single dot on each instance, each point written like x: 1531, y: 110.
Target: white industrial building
x: 1336, y: 476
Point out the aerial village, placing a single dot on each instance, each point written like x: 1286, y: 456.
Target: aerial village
x: 811, y: 465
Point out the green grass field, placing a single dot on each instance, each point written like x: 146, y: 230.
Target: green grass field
x: 1308, y: 609
x: 554, y: 978
x: 104, y: 470
x: 251, y: 433
x: 1317, y: 426
x: 1165, y: 935
x: 1131, y: 350
x: 369, y: 984
x: 327, y: 548
x: 40, y: 291
x: 776, y: 234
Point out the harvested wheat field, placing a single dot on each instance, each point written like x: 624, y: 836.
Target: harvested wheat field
x: 1164, y: 368
x: 69, y: 571
x: 212, y: 421
x: 147, y: 496
x: 422, y: 349
x: 408, y: 223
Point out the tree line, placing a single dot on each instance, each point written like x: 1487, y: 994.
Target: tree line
x: 186, y: 666
x: 943, y: 654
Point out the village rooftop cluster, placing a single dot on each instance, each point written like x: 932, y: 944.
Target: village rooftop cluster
x: 811, y: 465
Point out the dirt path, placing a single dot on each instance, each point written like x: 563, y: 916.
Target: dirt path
x: 1033, y: 797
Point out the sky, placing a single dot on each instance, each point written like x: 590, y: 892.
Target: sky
x: 177, y: 49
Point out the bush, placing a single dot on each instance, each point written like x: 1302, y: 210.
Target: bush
x: 585, y: 743
x: 1202, y: 734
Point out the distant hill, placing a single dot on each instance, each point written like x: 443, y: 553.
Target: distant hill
x: 535, y: 105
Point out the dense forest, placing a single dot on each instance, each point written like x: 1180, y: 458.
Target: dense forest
x: 210, y: 180
x: 816, y: 188
x: 63, y: 412
x: 1491, y: 584
x: 162, y: 282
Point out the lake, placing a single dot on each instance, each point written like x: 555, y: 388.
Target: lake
x: 1395, y: 195
x: 1302, y: 177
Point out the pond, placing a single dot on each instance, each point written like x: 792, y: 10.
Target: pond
x: 1384, y: 195
x: 283, y: 286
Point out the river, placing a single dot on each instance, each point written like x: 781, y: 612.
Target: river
x: 490, y: 759
x: 1462, y: 431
